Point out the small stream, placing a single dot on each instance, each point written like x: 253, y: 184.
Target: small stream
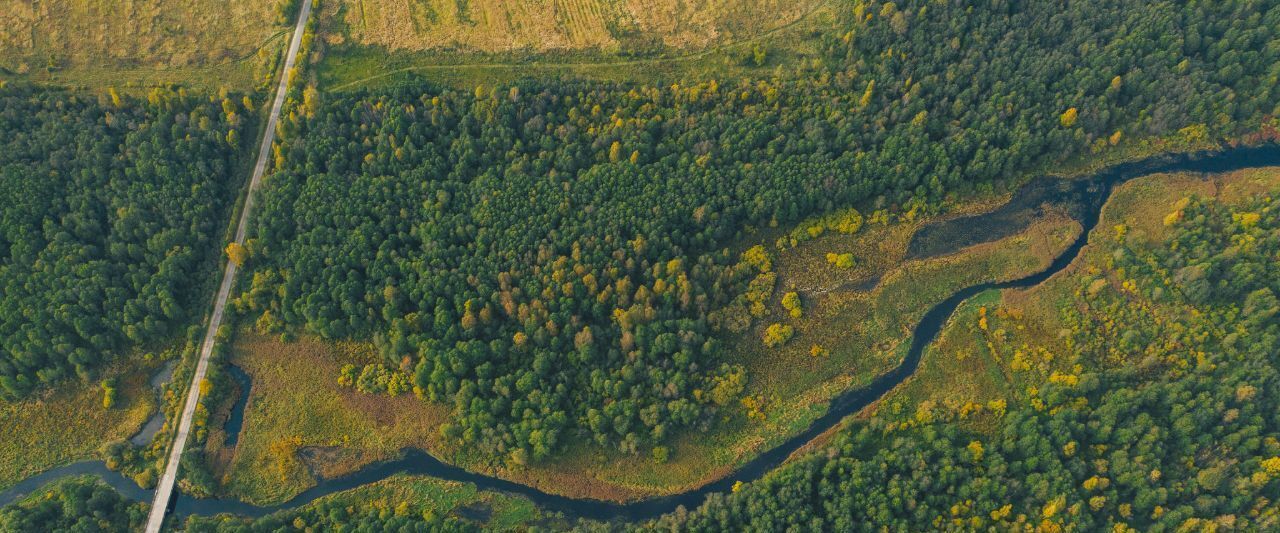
x: 148, y: 432
x: 1083, y: 198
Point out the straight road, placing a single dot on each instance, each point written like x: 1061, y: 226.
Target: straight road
x: 164, y: 491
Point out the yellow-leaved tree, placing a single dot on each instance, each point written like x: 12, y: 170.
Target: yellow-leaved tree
x: 237, y: 254
x: 777, y: 335
x: 1068, y: 118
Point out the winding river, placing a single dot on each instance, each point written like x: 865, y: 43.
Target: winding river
x: 1084, y: 198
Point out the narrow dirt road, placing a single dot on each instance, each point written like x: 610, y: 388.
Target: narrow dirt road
x: 164, y: 491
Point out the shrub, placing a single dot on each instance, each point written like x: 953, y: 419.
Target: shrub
x: 840, y: 260
x: 791, y: 302
x: 777, y: 335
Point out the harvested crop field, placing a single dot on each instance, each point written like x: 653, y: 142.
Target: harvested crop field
x: 545, y: 25
x: 65, y: 37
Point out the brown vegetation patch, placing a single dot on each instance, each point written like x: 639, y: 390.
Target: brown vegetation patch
x: 540, y: 26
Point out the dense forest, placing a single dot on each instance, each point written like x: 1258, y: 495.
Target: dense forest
x: 1174, y: 423
x: 110, y: 207
x: 76, y: 504
x: 549, y: 257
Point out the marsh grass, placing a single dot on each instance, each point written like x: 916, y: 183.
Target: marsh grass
x: 423, y: 496
x: 420, y: 494
x: 296, y: 404
x: 68, y: 423
x: 961, y: 366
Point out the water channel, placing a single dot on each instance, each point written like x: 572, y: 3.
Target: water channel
x: 1082, y: 197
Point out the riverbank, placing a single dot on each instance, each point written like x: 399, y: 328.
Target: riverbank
x: 303, y: 427
x: 932, y: 322
x: 1026, y: 338
x: 849, y: 402
x: 71, y: 424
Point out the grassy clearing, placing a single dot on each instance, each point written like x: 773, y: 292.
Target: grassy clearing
x: 299, y: 422
x: 241, y: 75
x: 865, y: 331
x: 69, y: 423
x: 958, y: 370
x: 971, y: 365
x: 96, y: 43
x: 1236, y: 187
x: 357, y: 58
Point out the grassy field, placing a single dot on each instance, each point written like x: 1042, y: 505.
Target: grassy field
x: 1023, y: 343
x: 297, y: 407
x: 96, y: 43
x: 299, y: 422
x: 143, y: 43
x: 373, y: 42
x: 69, y: 423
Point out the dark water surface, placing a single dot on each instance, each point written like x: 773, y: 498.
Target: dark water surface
x: 149, y: 430
x: 1026, y: 206
x: 235, y: 422
x: 1082, y: 197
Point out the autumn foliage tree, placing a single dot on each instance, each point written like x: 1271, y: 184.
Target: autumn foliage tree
x: 237, y: 254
